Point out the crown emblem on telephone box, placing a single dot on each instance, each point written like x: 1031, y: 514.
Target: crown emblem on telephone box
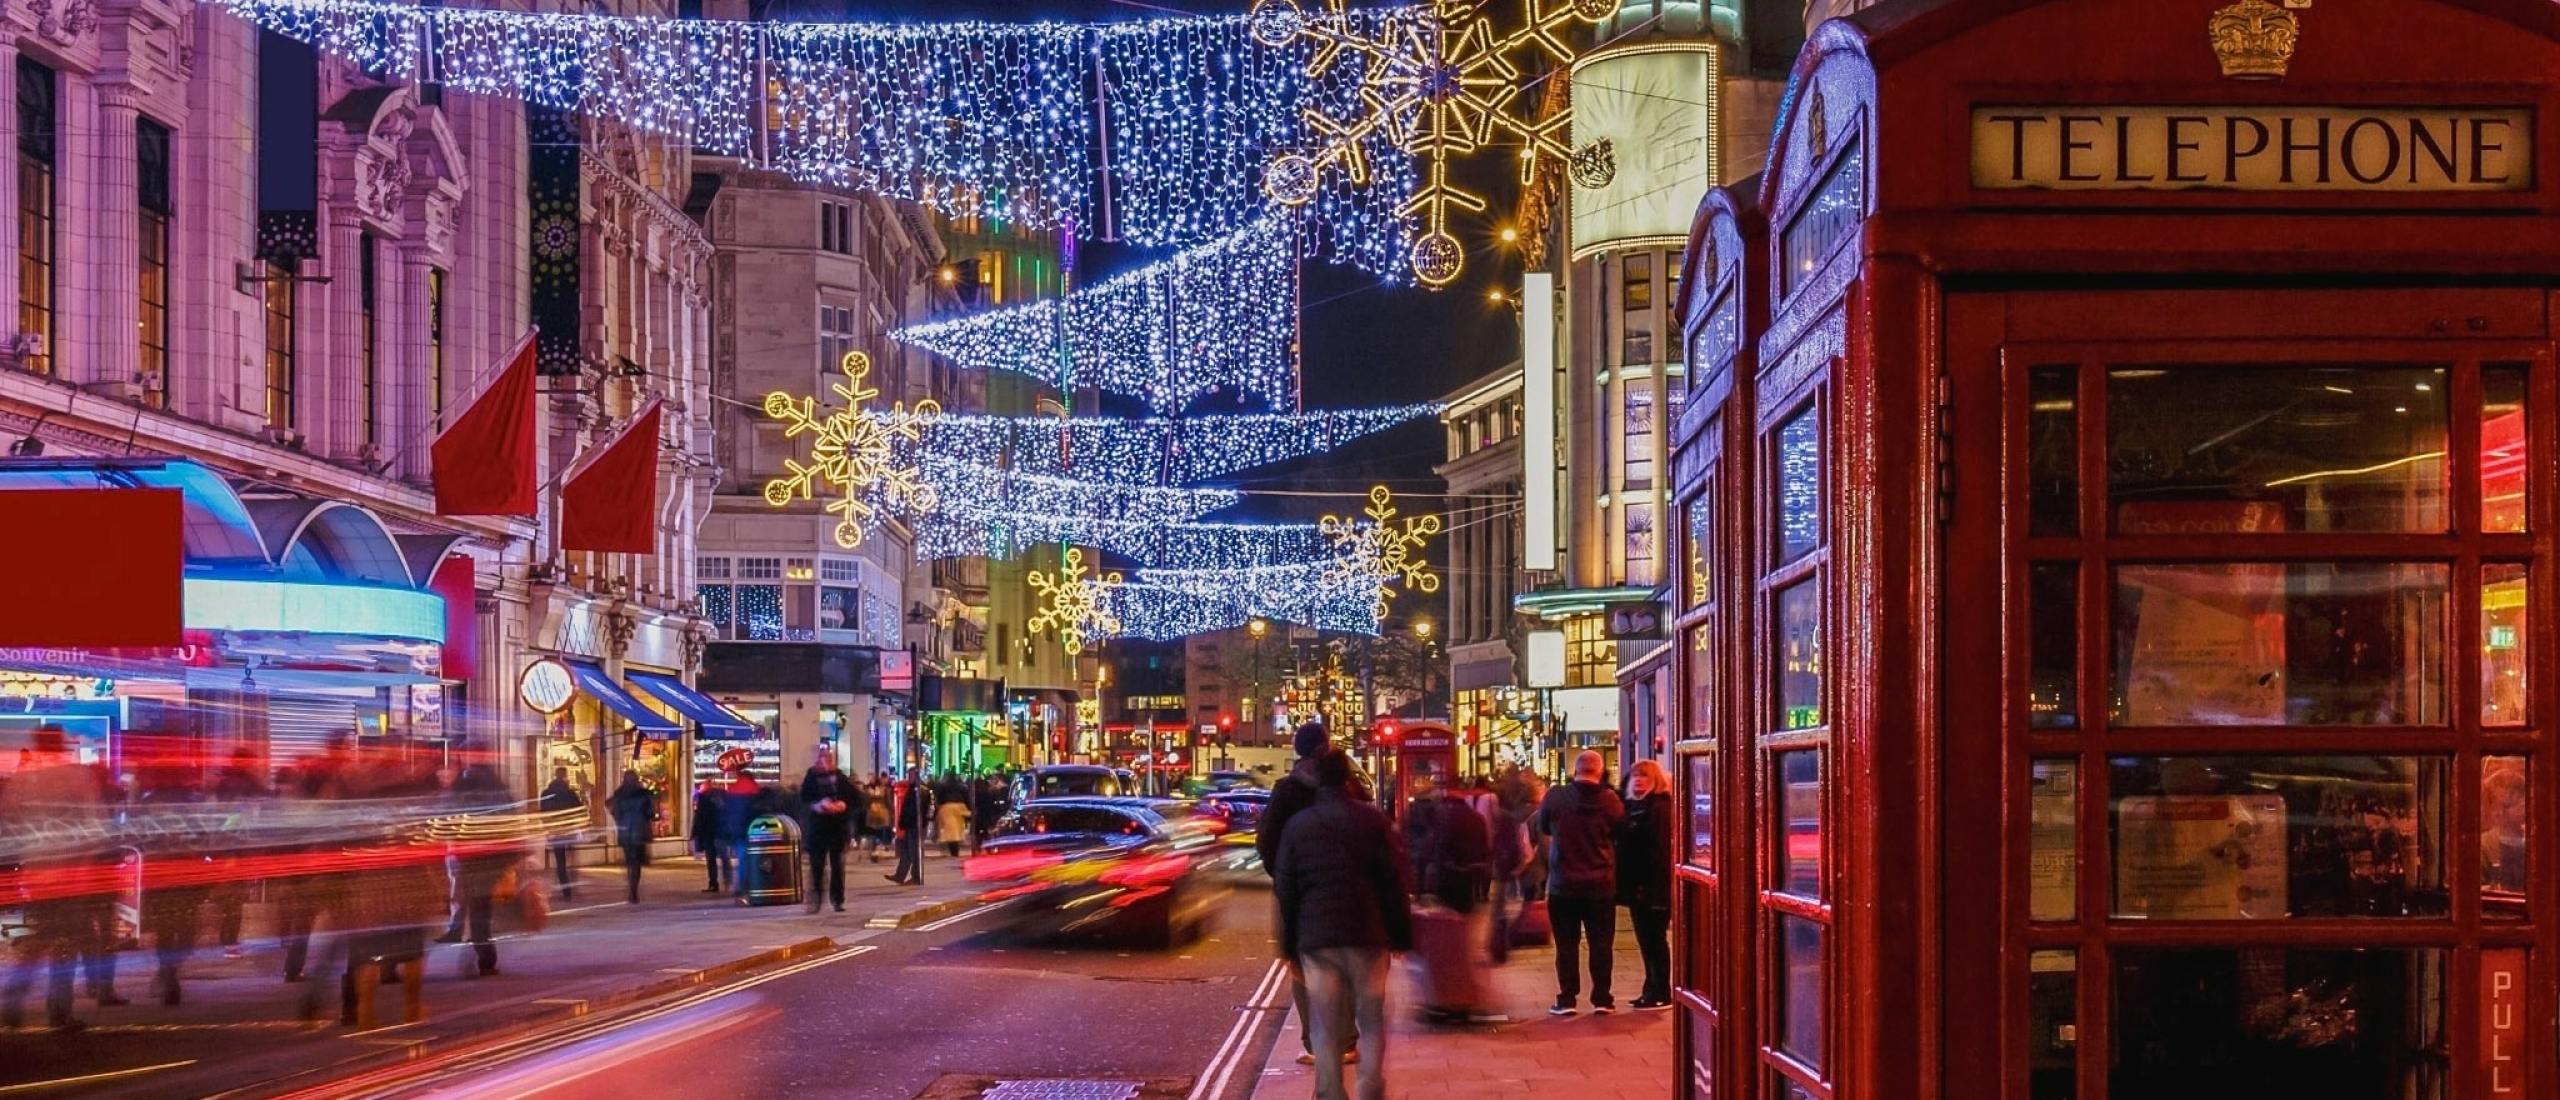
x: 2254, y: 39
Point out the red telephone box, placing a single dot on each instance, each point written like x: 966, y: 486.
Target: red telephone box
x: 2119, y: 599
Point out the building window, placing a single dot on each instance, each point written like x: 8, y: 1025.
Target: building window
x: 835, y: 337
x: 1636, y: 301
x: 835, y: 227
x: 367, y: 289
x: 1590, y: 658
x: 1640, y: 544
x: 435, y: 346
x: 278, y: 289
x: 151, y: 177
x: 1639, y: 432
x: 991, y: 280
x: 36, y: 148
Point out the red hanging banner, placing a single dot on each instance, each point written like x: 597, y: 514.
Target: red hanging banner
x: 92, y: 568
x: 611, y: 500
x: 484, y: 461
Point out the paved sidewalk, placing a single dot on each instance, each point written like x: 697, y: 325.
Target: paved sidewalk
x: 240, y: 1021
x: 1624, y: 1056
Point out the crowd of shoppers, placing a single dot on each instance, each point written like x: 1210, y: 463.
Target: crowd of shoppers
x: 1352, y: 891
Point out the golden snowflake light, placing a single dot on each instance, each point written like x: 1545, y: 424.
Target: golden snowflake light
x: 1381, y: 552
x: 1437, y: 88
x: 1078, y: 607
x: 857, y: 453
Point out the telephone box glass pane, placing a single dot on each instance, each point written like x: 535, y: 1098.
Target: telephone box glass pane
x: 2281, y: 644
x: 1702, y: 546
x: 1800, y: 655
x: 2505, y: 450
x: 2231, y: 449
x: 1797, y: 992
x: 2053, y: 452
x: 2053, y: 1024
x: 1703, y: 938
x: 2053, y: 645
x: 2357, y: 1024
x: 1703, y: 1056
x: 2503, y: 679
x: 2268, y: 837
x: 2053, y: 841
x: 1702, y: 809
x: 2505, y: 820
x: 1800, y: 806
x: 1799, y: 469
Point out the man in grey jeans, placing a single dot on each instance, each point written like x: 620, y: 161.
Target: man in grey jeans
x: 1343, y: 886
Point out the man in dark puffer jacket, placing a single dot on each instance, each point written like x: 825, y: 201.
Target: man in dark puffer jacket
x: 1342, y: 886
x: 1294, y: 792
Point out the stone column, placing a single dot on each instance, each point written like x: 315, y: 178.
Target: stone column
x: 117, y: 238
x: 333, y: 414
x: 409, y: 413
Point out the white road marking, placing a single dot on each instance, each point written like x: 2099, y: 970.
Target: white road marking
x: 1221, y: 1069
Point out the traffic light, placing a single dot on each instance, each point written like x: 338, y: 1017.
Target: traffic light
x: 1386, y: 733
x: 1226, y: 723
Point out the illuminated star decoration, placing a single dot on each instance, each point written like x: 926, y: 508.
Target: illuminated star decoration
x: 1437, y: 89
x: 864, y: 456
x: 1381, y: 550
x: 1077, y: 606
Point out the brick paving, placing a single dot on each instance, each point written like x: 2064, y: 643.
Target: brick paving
x: 1625, y: 1056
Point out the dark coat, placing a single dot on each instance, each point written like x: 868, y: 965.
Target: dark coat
x: 830, y: 830
x: 1582, y: 821
x: 634, y: 811
x: 1294, y: 792
x: 913, y: 808
x: 1645, y: 853
x: 1452, y: 850
x: 1342, y: 880
x: 710, y: 804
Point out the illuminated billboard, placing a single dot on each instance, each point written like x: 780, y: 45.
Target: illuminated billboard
x: 1644, y: 135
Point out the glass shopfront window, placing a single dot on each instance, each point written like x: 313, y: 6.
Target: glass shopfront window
x: 2231, y: 449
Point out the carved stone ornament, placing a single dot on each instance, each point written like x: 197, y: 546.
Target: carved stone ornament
x: 2254, y: 39
x: 619, y: 628
x: 439, y: 226
x: 65, y: 21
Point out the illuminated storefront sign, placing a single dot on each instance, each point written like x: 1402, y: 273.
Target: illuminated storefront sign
x: 1644, y: 134
x: 2173, y: 148
x: 40, y: 685
x: 279, y: 607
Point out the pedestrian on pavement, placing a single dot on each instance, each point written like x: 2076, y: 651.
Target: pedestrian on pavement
x: 709, y: 802
x: 1295, y: 792
x: 1511, y: 854
x: 736, y: 809
x: 1581, y: 822
x: 238, y: 785
x: 835, y: 803
x: 560, y: 798
x: 1452, y: 853
x: 954, y: 822
x: 635, y: 817
x: 1341, y: 886
x: 478, y: 868
x: 53, y: 793
x: 988, y: 810
x: 1644, y: 878
x: 908, y: 817
x: 878, y: 799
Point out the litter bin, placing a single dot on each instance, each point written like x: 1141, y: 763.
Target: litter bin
x: 772, y: 861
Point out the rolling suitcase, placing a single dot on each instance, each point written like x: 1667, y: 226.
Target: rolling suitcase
x: 1444, y: 962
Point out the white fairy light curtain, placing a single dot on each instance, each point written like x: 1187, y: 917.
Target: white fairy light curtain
x: 1154, y: 132
x: 1152, y: 450
x: 980, y: 489
x: 1174, y: 603
x: 1221, y: 317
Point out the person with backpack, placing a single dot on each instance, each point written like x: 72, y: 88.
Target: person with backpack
x: 1341, y: 888
x: 635, y: 815
x: 1293, y: 793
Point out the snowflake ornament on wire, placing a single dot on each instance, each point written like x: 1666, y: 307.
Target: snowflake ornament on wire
x: 865, y: 456
x: 1437, y: 88
x: 1380, y: 552
x: 1078, y: 607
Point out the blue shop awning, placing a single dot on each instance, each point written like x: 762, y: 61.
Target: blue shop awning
x: 716, y: 721
x: 619, y: 700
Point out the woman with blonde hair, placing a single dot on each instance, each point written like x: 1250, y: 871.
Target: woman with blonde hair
x: 1644, y: 878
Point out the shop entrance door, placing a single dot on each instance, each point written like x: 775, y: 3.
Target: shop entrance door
x: 2272, y: 720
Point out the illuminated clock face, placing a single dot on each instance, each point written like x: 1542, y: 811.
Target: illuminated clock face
x: 546, y: 686
x: 1655, y: 111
